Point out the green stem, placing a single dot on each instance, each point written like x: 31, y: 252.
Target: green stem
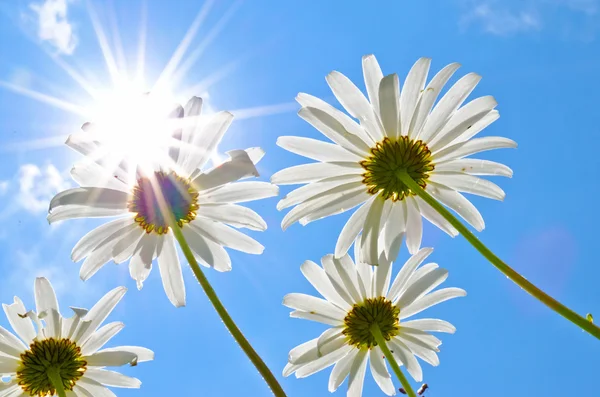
x: 376, y: 332
x: 56, y: 380
x: 227, y: 320
x: 499, y: 264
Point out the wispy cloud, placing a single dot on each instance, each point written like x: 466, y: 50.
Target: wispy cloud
x: 54, y: 26
x: 38, y: 185
x: 510, y: 17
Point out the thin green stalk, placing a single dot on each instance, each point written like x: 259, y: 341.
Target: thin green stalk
x: 499, y: 264
x: 56, y: 380
x: 376, y: 332
x: 227, y: 320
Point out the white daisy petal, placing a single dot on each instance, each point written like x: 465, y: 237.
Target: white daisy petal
x: 317, y: 190
x: 395, y: 228
x: 141, y: 353
x: 476, y: 145
x: 78, y: 211
x: 111, y: 378
x: 207, y: 252
x: 428, y: 97
x: 10, y: 350
x: 102, y: 309
x: 458, y: 203
x: 206, y: 140
x: 435, y: 218
x: 413, y: 86
x: 13, y: 390
x: 90, y: 174
x: 140, y: 264
x: 239, y: 166
x: 421, y: 350
x: 451, y: 101
x: 334, y: 207
x: 8, y: 338
x: 432, y: 299
x: 314, y: 305
x: 370, y: 234
x: 469, y: 184
x: 341, y: 370
x: 314, y: 172
x: 126, y: 246
x: 91, y: 196
x: 234, y: 215
x: 96, y: 236
x: 239, y: 192
x: 170, y: 270
x: 421, y: 286
x: 101, y: 337
x: 380, y: 372
x: 315, y: 149
x: 22, y: 326
x: 406, y: 271
x: 319, y: 280
x: 104, y: 358
x: 323, y: 362
x: 430, y: 324
x: 403, y: 354
x: 227, y: 236
x: 475, y: 167
x: 92, y: 388
x: 358, y: 370
x: 478, y: 126
x: 414, y: 225
x: 304, y: 353
x: 373, y: 76
x: 389, y: 97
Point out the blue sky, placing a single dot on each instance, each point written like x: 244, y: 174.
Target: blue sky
x: 539, y: 58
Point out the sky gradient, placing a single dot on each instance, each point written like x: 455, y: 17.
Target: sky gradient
x: 540, y: 60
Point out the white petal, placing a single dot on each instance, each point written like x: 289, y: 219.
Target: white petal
x: 141, y: 353
x: 451, y: 101
x: 420, y: 349
x: 413, y: 86
x: 111, y: 378
x: 406, y: 272
x: 103, y: 253
x: 476, y: 145
x: 430, y: 324
x: 100, y: 338
x: 371, y: 231
x: 11, y: 350
x: 78, y: 211
x: 403, y: 353
x: 341, y: 370
x: 357, y: 374
x: 475, y: 167
x: 414, y: 225
x: 206, y: 140
x: 234, y: 215
x: 319, y: 280
x: 125, y: 248
x: 334, y: 207
x: 316, y: 190
x: 323, y: 362
x: 140, y: 264
x: 421, y: 286
x: 432, y: 299
x: 337, y: 282
x: 102, y: 309
x: 90, y: 174
x: 110, y: 358
x: 239, y: 166
x: 333, y: 129
x: 469, y: 184
x: 316, y: 150
x: 96, y: 236
x: 96, y: 197
x: 23, y: 326
x: 347, y: 272
x: 208, y: 253
x: 313, y: 172
x: 312, y: 304
x: 428, y: 97
x: 91, y: 388
x: 373, y: 75
x: 12, y: 390
x: 306, y: 100
x: 304, y: 353
x: 435, y: 217
x: 389, y: 104
x: 45, y: 297
x: 462, y: 120
x: 458, y: 203
x: 170, y: 270
x: 227, y: 236
x: 331, y: 340
x: 8, y: 365
x: 426, y: 339
x: 394, y: 229
x: 380, y: 372
x: 11, y: 340
x: 478, y: 126
x: 239, y: 192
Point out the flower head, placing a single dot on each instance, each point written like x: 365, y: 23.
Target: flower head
x: 68, y: 349
x: 359, y: 297
x: 203, y: 204
x: 397, y: 133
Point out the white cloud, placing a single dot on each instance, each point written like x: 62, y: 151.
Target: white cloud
x: 54, y: 26
x: 509, y: 17
x: 38, y: 185
x: 4, y: 185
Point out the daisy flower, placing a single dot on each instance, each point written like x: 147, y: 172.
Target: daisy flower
x: 68, y: 349
x: 357, y: 297
x: 398, y: 132
x: 204, y: 204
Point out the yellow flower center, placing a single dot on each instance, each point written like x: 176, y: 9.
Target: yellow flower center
x: 59, y: 355
x: 167, y: 191
x: 388, y: 159
x: 363, y: 316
